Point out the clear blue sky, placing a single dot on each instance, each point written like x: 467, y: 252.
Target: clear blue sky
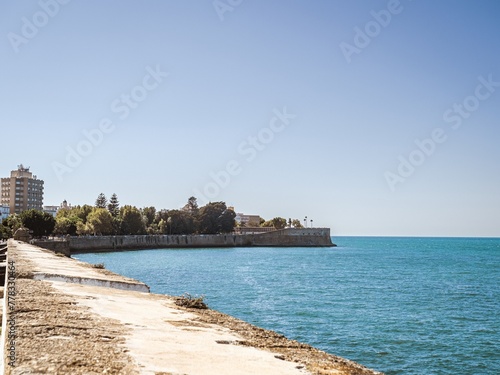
x: 359, y: 82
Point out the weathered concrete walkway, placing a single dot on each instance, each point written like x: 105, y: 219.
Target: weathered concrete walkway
x: 70, y: 318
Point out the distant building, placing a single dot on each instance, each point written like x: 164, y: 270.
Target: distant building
x: 4, y: 212
x: 65, y: 205
x: 21, y: 191
x: 247, y: 220
x: 51, y: 210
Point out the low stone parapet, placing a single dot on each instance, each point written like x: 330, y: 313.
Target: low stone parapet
x: 57, y: 246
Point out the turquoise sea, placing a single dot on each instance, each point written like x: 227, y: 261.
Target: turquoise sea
x: 397, y: 305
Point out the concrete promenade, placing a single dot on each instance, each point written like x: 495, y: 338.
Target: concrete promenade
x: 68, y: 317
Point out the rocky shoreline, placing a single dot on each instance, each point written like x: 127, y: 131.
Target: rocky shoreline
x: 314, y: 360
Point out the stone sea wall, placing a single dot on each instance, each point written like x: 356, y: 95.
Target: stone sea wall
x: 306, y: 237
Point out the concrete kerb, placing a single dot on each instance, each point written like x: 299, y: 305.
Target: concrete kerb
x: 137, y: 287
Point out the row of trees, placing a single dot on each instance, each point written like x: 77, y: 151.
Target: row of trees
x: 109, y: 218
x: 40, y: 223
x: 106, y: 218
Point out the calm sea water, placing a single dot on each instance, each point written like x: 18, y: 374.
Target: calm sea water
x: 398, y: 305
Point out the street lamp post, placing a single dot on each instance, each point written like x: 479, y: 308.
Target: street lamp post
x: 311, y: 223
x: 305, y: 221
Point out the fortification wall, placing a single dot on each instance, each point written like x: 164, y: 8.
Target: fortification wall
x: 282, y: 238
x: 303, y: 237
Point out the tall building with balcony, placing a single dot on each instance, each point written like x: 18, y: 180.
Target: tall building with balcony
x: 21, y: 191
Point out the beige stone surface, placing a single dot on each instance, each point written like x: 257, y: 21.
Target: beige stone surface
x: 57, y: 336
x: 162, y: 337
